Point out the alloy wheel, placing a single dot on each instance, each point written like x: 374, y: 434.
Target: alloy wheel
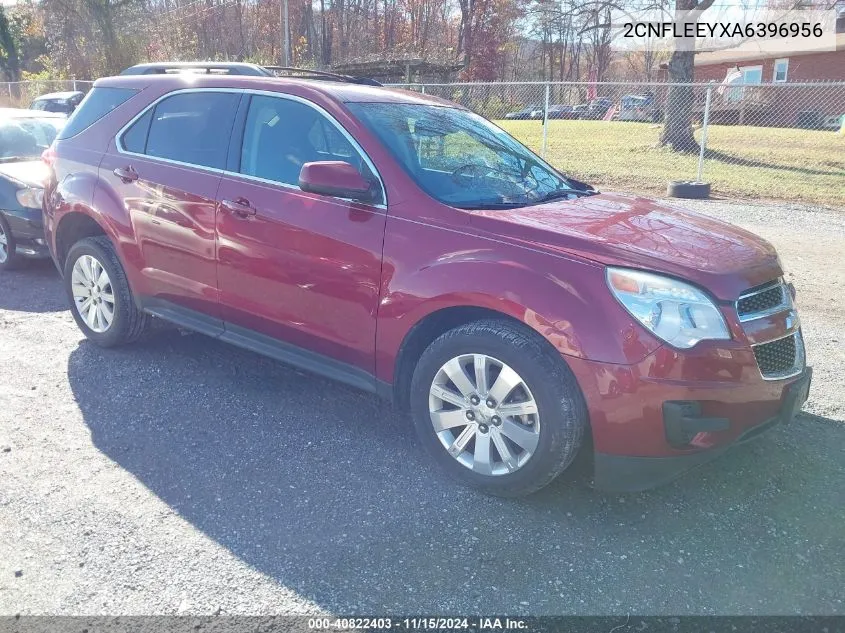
x: 484, y: 414
x: 93, y: 296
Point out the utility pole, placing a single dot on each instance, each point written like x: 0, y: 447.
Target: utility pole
x: 285, y: 28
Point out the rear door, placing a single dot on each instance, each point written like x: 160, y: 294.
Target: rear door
x: 166, y: 169
x: 293, y: 266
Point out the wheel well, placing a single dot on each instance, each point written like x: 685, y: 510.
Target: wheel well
x: 430, y: 327
x: 422, y: 335
x: 72, y: 228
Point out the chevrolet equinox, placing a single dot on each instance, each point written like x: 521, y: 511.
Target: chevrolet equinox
x: 402, y: 244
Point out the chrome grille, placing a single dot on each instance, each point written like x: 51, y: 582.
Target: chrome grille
x: 761, y: 300
x: 780, y: 358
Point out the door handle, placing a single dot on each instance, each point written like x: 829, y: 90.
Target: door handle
x: 240, y: 207
x: 126, y: 174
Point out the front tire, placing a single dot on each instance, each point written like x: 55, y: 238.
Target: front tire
x: 497, y: 408
x: 100, y: 298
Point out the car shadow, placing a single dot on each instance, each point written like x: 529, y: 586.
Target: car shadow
x: 324, y: 489
x: 33, y: 287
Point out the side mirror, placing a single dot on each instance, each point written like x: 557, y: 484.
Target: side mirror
x: 335, y: 178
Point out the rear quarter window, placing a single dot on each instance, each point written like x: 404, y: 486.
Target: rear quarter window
x: 96, y: 104
x: 135, y: 138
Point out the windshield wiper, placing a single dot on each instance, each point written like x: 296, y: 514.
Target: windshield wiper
x: 491, y: 204
x: 549, y: 197
x: 560, y: 193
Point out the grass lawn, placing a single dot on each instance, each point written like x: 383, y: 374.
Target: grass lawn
x: 742, y: 162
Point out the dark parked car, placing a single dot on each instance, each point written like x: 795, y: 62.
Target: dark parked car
x: 638, y: 108
x: 562, y: 112
x: 24, y: 135
x: 525, y: 113
x: 555, y: 112
x: 598, y: 108
x: 406, y: 246
x: 61, y: 102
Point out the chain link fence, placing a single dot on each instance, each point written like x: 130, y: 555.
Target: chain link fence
x: 772, y: 141
x: 781, y: 141
x: 20, y: 94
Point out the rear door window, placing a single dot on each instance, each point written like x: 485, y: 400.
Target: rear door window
x: 96, y: 104
x: 191, y: 128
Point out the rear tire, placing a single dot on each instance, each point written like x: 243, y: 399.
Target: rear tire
x: 506, y: 455
x: 101, y: 301
x: 9, y: 259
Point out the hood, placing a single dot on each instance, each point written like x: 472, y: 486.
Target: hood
x: 624, y: 230
x: 31, y: 173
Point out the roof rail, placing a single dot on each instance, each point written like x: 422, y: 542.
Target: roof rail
x: 243, y: 68
x: 321, y: 74
x: 227, y: 68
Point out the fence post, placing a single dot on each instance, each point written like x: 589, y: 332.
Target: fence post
x: 545, y: 123
x: 422, y: 88
x: 74, y: 85
x: 704, y: 124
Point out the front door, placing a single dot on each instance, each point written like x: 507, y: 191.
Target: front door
x: 296, y: 267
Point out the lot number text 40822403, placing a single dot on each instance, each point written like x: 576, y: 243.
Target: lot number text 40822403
x: 419, y: 624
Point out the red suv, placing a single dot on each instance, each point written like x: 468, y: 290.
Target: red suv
x: 404, y: 245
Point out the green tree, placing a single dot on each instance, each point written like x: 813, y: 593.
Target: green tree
x: 9, y: 58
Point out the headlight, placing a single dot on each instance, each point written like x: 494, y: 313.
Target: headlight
x: 678, y: 313
x: 30, y: 197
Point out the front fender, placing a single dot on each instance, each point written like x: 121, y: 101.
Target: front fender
x: 566, y: 300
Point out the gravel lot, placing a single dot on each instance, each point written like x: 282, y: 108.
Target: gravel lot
x: 186, y: 476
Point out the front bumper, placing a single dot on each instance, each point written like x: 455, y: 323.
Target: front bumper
x: 622, y: 473
x: 28, y: 230
x: 672, y: 412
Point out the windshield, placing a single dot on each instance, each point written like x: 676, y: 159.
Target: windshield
x: 26, y: 138
x: 463, y: 160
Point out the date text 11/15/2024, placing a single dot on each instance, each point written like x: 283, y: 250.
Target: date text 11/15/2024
x: 419, y: 624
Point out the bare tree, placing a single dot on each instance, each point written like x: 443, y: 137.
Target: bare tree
x: 600, y: 40
x: 643, y: 64
x: 677, y: 130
